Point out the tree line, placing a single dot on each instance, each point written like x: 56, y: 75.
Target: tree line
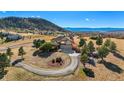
x: 102, y: 50
x: 5, y: 58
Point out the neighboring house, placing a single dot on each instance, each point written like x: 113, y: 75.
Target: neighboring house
x: 11, y: 36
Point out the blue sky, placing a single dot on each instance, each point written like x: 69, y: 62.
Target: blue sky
x: 75, y: 18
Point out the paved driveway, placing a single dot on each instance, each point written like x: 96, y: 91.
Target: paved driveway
x: 45, y: 72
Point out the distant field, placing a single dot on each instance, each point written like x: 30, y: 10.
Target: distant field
x: 119, y: 42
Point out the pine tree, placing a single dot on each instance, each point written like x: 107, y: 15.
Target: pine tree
x: 84, y: 59
x: 103, y: 52
x: 84, y: 50
x: 4, y: 61
x: 21, y: 52
x: 112, y: 46
x: 82, y: 42
x: 91, y: 47
x: 99, y: 40
x: 107, y: 42
x: 9, y: 53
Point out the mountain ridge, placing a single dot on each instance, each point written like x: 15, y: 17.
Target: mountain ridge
x: 28, y: 23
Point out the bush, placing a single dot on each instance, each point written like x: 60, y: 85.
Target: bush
x: 46, y: 47
x: 38, y: 43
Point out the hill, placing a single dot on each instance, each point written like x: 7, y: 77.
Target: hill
x: 28, y: 23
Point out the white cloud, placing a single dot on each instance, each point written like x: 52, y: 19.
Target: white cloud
x: 87, y: 19
x: 33, y: 16
x: 38, y: 16
x: 3, y: 11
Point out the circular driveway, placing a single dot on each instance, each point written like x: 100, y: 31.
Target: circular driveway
x: 45, y: 72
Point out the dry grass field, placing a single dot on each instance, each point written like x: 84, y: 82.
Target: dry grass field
x: 19, y: 74
x: 27, y: 40
x: 109, y: 71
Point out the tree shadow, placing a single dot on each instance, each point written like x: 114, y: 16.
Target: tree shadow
x: 113, y: 67
x: 2, y: 74
x: 42, y: 54
x: 16, y: 62
x: 88, y: 72
x: 94, y: 55
x: 118, y: 55
x: 35, y: 53
x: 91, y: 62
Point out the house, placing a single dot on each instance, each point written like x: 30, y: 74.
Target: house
x: 10, y: 36
x: 13, y: 37
x: 65, y: 44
